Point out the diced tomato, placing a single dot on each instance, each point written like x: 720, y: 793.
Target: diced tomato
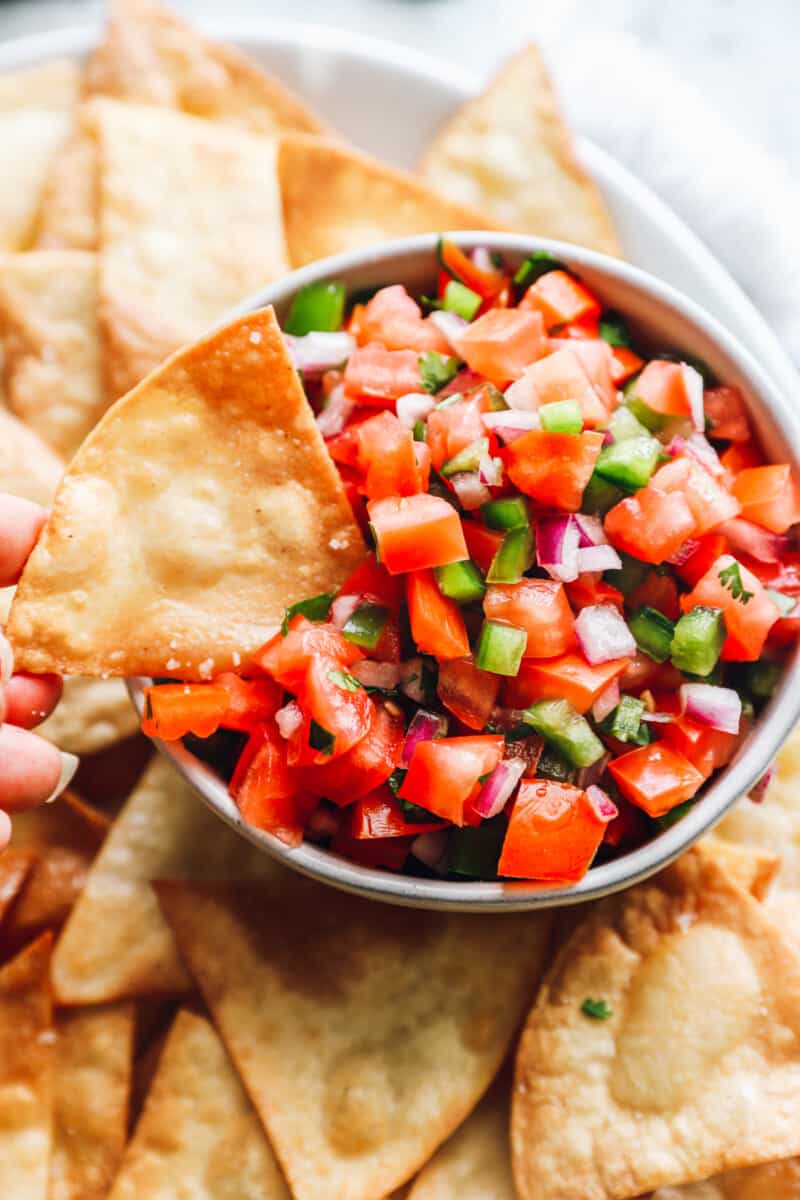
x: 644, y: 672
x: 707, y: 550
x: 560, y: 298
x: 657, y: 591
x: 656, y: 778
x: 502, y: 343
x: 389, y: 648
x: 726, y: 411
x: 334, y: 703
x: 629, y: 825
x: 568, y: 677
x: 541, y: 608
x: 769, y: 496
x: 452, y: 429
x: 378, y: 815
x: 553, y: 833
x: 708, y: 749
x: 662, y: 387
x: 741, y: 455
x: 482, y: 543
x: 171, y: 710
x: 625, y: 363
x: 390, y: 853
x: 458, y: 265
x: 266, y: 791
x: 710, y: 504
x: 395, y: 320
x: 591, y: 589
x: 783, y: 576
x: 371, y: 579
x: 344, y: 447
x: 553, y: 468
x: 353, y: 322
x: 250, y: 701
x: 374, y: 371
x: 414, y: 532
x: 364, y: 768
x: 468, y: 692
x: 444, y: 774
x: 651, y: 526
x: 598, y: 363
x: 286, y: 659
x: 437, y: 625
x: 747, y: 624
x: 355, y: 499
x: 578, y: 330
x: 563, y: 376
x: 386, y: 456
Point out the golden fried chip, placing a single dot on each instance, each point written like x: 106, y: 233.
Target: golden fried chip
x: 68, y: 211
x: 190, y: 223
x: 116, y: 944
x: 15, y: 867
x: 91, y: 1091
x: 769, y: 1181
x: 364, y: 1033
x: 48, y: 323
x: 52, y: 84
x: 26, y: 1064
x: 475, y: 1164
x: 150, y: 56
x: 752, y: 868
x: 510, y: 153
x: 198, y: 1135
x: 202, y: 505
x: 337, y: 199
x: 28, y: 467
x: 92, y: 714
x: 695, y: 1070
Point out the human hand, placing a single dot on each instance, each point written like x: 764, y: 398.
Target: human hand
x: 32, y: 771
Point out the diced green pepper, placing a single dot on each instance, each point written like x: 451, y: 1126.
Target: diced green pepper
x: 627, y: 577
x: 436, y: 370
x: 461, y: 581
x: 624, y: 721
x: 674, y: 815
x: 320, y: 739
x: 786, y: 604
x: 500, y: 648
x: 653, y: 632
x: 365, y: 626
x: 552, y: 765
x: 763, y: 677
x: 458, y: 298
x: 420, y: 431
x: 475, y: 850
x: 698, y: 640
x: 562, y: 416
x: 612, y: 329
x: 654, y: 421
x: 466, y: 459
x: 599, y: 496
x: 560, y: 725
x: 496, y: 400
x: 623, y: 425
x: 448, y: 401
x: 316, y: 608
x: 511, y: 512
x: 513, y: 558
x: 629, y: 463
x: 318, y: 307
x: 536, y: 264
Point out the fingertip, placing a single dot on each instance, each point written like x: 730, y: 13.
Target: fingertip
x: 31, y: 698
x: 30, y: 769
x: 5, y: 829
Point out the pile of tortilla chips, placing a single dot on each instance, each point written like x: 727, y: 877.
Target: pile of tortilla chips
x: 179, y: 1017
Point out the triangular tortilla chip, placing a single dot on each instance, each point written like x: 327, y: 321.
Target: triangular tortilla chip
x: 26, y: 1065
x: 475, y: 1164
x: 116, y: 944
x: 202, y: 505
x: 769, y: 1181
x: 337, y: 199
x: 151, y: 56
x: 54, y: 84
x: 28, y: 467
x: 697, y: 1068
x: 510, y: 153
x: 190, y: 223
x: 198, y: 1134
x: 752, y: 868
x: 68, y: 211
x: 364, y: 1033
x: 48, y: 323
x: 91, y: 715
x: 93, y: 1057
x: 15, y: 867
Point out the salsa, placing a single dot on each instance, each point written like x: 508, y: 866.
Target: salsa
x: 582, y: 588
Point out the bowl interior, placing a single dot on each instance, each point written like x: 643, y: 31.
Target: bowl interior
x: 661, y: 318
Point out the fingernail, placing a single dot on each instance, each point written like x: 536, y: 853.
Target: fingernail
x: 6, y: 661
x: 69, y: 765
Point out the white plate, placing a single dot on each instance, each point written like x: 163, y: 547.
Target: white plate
x: 389, y: 101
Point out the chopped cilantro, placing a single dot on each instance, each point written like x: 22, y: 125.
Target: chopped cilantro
x: 731, y: 578
x: 436, y: 370
x: 344, y: 680
x: 535, y: 265
x: 395, y: 780
x: 613, y: 329
x: 597, y: 1009
x: 316, y: 609
x: 320, y: 739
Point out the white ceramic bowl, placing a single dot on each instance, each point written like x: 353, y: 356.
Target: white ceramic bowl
x: 660, y: 317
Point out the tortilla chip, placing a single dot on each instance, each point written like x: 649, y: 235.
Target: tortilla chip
x: 337, y: 199
x: 28, y: 467
x: 697, y: 1069
x: 151, y: 56
x: 203, y: 504
x: 48, y: 301
x: 510, y: 153
x: 751, y: 868
x: 63, y: 837
x: 475, y: 1164
x: 26, y: 1054
x: 68, y: 211
x: 363, y: 1033
x: 15, y: 867
x: 190, y: 223
x: 92, y: 714
x: 770, y: 1181
x: 198, y: 1134
x: 116, y: 944
x: 90, y: 1105
x: 52, y: 84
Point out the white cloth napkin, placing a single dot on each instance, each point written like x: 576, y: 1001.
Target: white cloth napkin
x: 737, y: 197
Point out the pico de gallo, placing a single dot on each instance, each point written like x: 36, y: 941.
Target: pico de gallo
x: 582, y: 587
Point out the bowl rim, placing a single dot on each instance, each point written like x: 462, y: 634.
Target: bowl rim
x: 733, y: 782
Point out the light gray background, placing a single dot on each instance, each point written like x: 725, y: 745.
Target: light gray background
x: 742, y: 54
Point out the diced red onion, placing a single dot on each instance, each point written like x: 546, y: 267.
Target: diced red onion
x: 718, y: 707
x: 759, y: 789
x: 522, y: 394
x: 608, y: 437
x: 602, y: 803
x: 413, y: 407
x: 588, y: 776
x: 658, y: 718
x: 462, y: 382
x: 424, y: 727
x: 528, y: 750
x: 607, y: 701
x: 322, y: 823
x: 482, y: 259
x: 557, y: 547
x: 318, y: 352
x: 693, y: 383
x: 591, y: 531
x: 377, y: 674
x: 511, y: 424
x: 744, y: 537
x: 684, y: 552
x: 490, y: 470
x: 496, y: 792
x: 343, y: 608
x: 333, y: 418
x: 430, y: 849
x: 598, y: 558
x: 698, y: 445
x: 411, y: 680
x: 449, y: 324
x: 289, y: 719
x: 603, y: 634
x: 470, y: 491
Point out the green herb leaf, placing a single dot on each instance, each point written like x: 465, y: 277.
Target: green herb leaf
x: 612, y: 329
x: 320, y: 739
x: 535, y: 265
x: 316, y: 609
x: 597, y: 1009
x: 731, y: 578
x: 395, y: 780
x: 436, y: 370
x: 342, y: 679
